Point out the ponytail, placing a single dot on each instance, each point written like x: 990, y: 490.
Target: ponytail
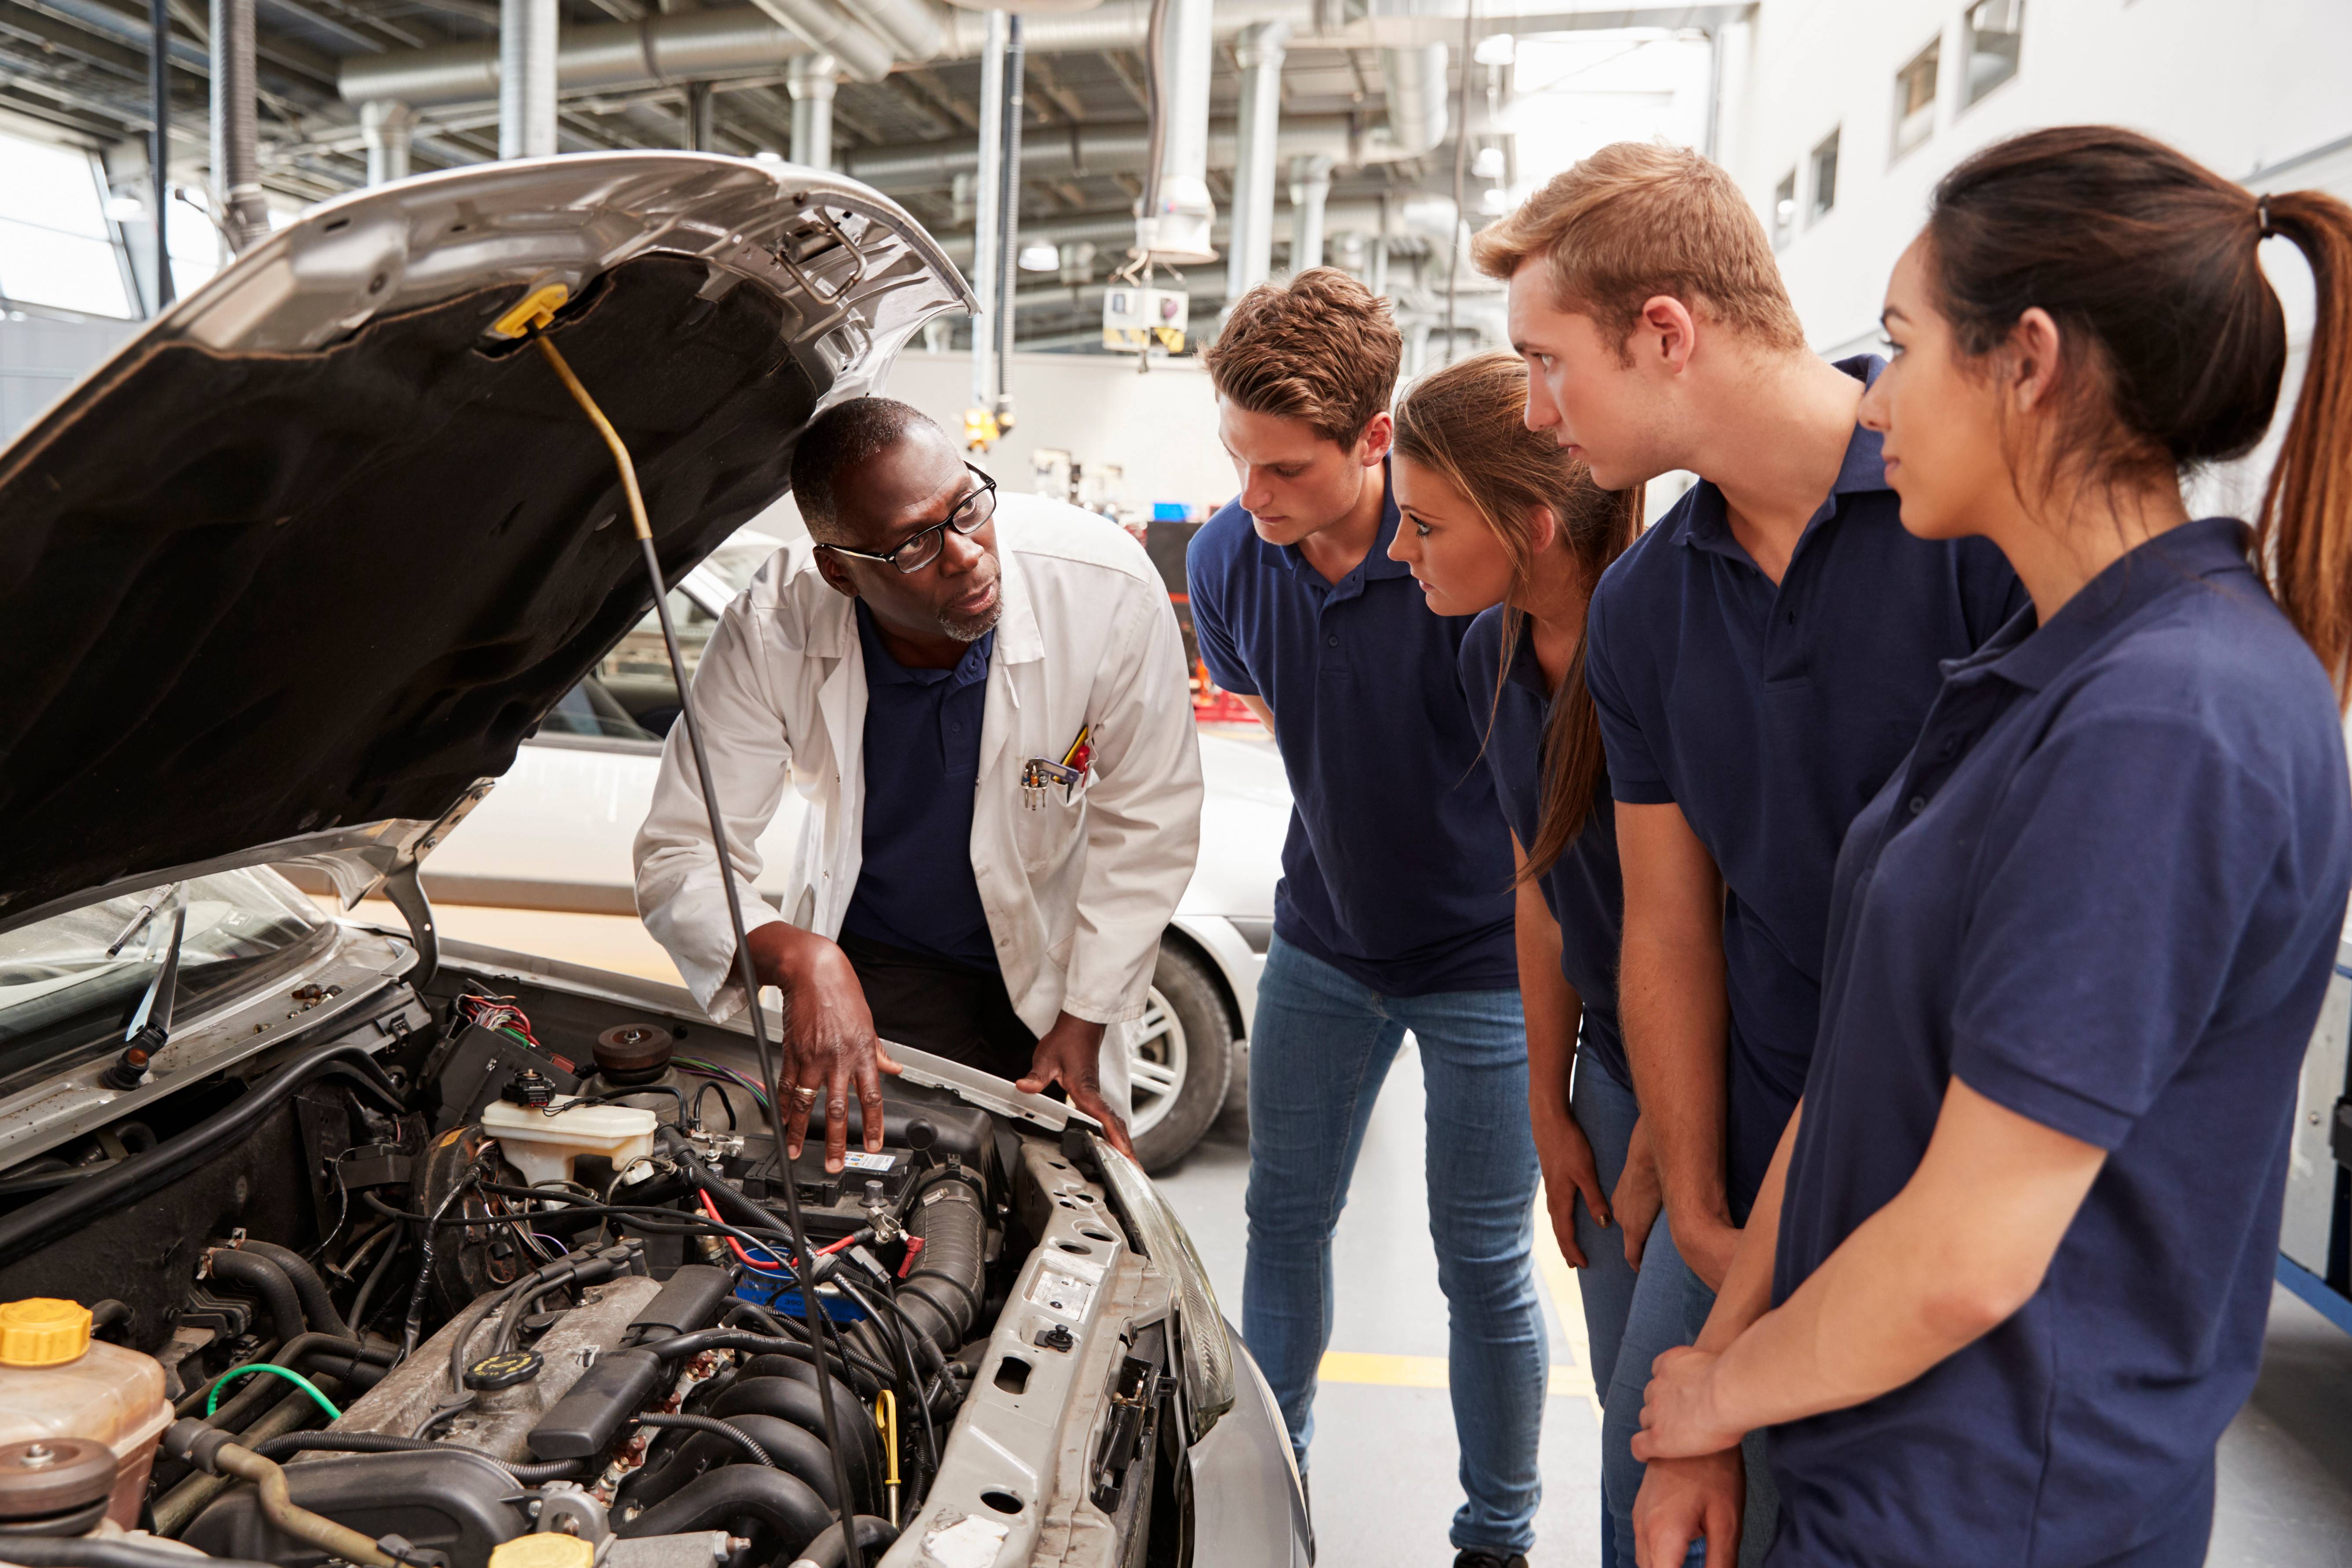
x: 2303, y: 536
x: 2150, y: 261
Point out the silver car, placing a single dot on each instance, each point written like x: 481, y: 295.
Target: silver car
x: 389, y: 1250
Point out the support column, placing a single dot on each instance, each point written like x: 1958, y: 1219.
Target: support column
x: 388, y: 126
x: 526, y: 79
x: 810, y: 80
x: 1249, y: 250
x: 158, y: 147
x: 701, y: 118
x: 1310, y: 187
x: 987, y: 187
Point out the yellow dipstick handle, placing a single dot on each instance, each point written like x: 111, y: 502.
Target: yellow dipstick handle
x: 605, y: 428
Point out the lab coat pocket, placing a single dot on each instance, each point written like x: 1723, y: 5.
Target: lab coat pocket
x: 1048, y: 827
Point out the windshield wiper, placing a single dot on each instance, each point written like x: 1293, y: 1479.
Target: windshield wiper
x: 150, y: 1029
x: 139, y: 921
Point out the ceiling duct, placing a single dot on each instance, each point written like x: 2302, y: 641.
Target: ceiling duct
x: 1173, y: 220
x: 825, y: 30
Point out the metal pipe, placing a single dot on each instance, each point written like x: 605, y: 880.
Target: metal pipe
x: 387, y: 128
x: 1310, y: 188
x: 827, y: 31
x: 1414, y: 79
x: 745, y: 39
x: 810, y: 82
x: 987, y: 190
x: 1177, y: 227
x: 1008, y: 250
x: 912, y: 26
x: 158, y: 147
x: 701, y: 118
x: 526, y: 79
x: 1249, y: 253
x: 237, y: 160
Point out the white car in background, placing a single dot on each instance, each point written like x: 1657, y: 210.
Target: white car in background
x: 556, y: 832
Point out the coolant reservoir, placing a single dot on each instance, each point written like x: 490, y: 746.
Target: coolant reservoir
x: 58, y: 1382
x: 542, y: 1140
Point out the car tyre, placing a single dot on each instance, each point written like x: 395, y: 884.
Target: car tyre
x: 1181, y: 1060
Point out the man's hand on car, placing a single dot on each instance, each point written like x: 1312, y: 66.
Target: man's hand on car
x: 1070, y: 1054
x: 829, y: 1045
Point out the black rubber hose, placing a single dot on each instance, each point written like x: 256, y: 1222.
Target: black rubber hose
x: 323, y: 1349
x: 942, y: 1296
x: 716, y: 1499
x: 791, y: 1448
x: 317, y: 1304
x: 292, y: 1443
x: 361, y: 1302
x: 106, y: 1314
x: 868, y: 1380
x: 826, y: 1551
x: 255, y: 1276
x: 712, y: 1427
x: 788, y: 1400
x: 127, y: 1181
x: 85, y: 1551
x: 78, y: 1522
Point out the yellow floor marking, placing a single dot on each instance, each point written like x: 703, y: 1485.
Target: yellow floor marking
x: 1425, y: 1372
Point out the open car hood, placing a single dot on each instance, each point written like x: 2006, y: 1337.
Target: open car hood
x: 305, y: 559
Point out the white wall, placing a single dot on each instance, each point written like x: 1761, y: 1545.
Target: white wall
x: 1161, y: 427
x: 41, y: 356
x: 2240, y: 85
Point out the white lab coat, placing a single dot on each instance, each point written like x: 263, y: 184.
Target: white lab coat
x: 1076, y: 892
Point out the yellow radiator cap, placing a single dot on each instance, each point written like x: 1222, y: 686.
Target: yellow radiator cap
x: 42, y: 1331
x: 546, y: 1549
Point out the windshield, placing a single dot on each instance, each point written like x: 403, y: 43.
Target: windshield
x: 62, y: 999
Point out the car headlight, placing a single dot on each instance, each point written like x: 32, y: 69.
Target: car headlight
x: 1207, y: 1351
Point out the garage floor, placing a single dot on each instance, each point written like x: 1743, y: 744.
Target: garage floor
x: 1384, y: 1460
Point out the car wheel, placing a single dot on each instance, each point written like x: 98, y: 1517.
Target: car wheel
x: 1179, y: 1060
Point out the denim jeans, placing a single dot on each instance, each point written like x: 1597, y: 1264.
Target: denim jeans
x: 1605, y: 1112
x: 1669, y: 1308
x: 1320, y: 1047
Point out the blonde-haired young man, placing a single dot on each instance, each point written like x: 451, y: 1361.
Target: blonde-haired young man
x: 1761, y: 659
x: 1394, y: 909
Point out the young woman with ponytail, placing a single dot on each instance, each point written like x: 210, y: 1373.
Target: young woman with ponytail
x: 2006, y: 1280
x: 1498, y: 521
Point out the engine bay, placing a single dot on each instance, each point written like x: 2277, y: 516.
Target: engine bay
x: 503, y: 1272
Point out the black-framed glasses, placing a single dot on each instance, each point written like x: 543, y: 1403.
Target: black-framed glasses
x: 970, y: 516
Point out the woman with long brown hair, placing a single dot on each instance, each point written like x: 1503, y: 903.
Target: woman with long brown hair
x: 1497, y: 521
x: 2007, y: 1280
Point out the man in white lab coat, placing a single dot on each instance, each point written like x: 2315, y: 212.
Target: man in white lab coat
x: 983, y: 700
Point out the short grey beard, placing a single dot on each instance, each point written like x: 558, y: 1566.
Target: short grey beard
x: 970, y: 631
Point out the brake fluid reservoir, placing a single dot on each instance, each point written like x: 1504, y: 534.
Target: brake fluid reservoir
x: 542, y: 1140
x: 57, y: 1382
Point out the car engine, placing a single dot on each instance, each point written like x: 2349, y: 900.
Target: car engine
x: 502, y: 1274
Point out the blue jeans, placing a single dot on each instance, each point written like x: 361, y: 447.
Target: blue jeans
x: 1669, y: 1308
x: 1320, y: 1048
x: 1605, y: 1112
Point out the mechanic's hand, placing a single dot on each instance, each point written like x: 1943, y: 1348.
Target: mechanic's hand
x: 1679, y: 1415
x: 1567, y: 1161
x: 1683, y: 1500
x: 829, y: 1043
x: 1638, y: 1198
x: 1070, y: 1054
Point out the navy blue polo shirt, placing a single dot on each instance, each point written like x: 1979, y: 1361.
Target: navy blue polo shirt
x: 1770, y: 715
x: 1397, y: 870
x: 2104, y: 891
x: 1582, y: 890
x: 915, y: 885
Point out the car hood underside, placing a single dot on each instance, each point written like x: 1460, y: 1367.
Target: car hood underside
x: 261, y: 592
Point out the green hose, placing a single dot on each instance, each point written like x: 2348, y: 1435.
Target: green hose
x: 234, y: 1374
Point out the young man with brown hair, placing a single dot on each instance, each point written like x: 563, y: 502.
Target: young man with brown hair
x: 1761, y: 659
x: 1394, y: 909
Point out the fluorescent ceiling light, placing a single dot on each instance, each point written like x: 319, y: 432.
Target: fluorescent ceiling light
x: 1040, y: 257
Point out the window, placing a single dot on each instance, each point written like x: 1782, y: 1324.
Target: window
x: 55, y: 246
x: 1994, y: 28
x: 1914, y: 99
x: 1824, y: 162
x: 1784, y: 210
